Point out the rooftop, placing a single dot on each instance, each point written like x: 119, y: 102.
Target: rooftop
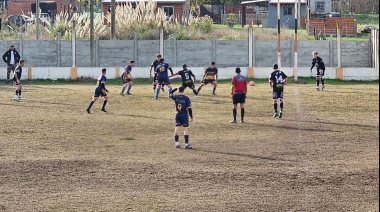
x: 273, y: 1
x: 136, y: 1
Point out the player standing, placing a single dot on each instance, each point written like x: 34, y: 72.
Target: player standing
x: 126, y: 78
x: 210, y: 76
x: 154, y: 65
x: 100, y: 91
x: 238, y: 93
x: 17, y: 80
x: 182, y: 110
x: 187, y: 81
x: 276, y: 81
x: 162, y: 76
x: 318, y: 62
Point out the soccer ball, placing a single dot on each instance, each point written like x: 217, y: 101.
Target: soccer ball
x: 252, y: 83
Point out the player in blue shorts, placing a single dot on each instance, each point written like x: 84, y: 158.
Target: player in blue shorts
x: 162, y: 76
x: 126, y: 78
x: 210, y: 76
x: 100, y: 91
x: 183, y: 111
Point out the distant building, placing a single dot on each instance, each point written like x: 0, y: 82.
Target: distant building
x: 25, y: 6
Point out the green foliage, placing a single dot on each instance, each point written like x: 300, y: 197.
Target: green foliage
x: 231, y: 17
x: 202, y: 23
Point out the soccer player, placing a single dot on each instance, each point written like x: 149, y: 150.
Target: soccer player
x: 187, y: 81
x: 276, y: 81
x: 318, y: 62
x: 154, y: 65
x: 100, y: 91
x: 17, y: 80
x: 162, y: 76
x: 126, y: 78
x: 238, y: 94
x: 182, y: 109
x: 210, y: 76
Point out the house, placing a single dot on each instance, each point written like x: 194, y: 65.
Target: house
x: 319, y: 8
x: 287, y: 11
x: 25, y: 6
x: 177, y: 8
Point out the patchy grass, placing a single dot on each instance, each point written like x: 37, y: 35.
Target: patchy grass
x: 323, y: 155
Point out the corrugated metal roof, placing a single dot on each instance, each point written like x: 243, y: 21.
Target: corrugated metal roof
x: 253, y: 1
x: 134, y: 1
x: 273, y: 1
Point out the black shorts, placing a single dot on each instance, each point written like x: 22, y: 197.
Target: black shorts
x: 207, y: 81
x: 189, y: 84
x: 320, y: 73
x: 238, y: 98
x: 278, y: 92
x: 16, y: 84
x: 100, y: 93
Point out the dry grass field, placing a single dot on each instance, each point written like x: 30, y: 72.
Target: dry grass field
x: 323, y: 155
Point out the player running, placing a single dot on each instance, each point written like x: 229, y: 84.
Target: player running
x: 210, y: 76
x: 100, y: 91
x: 162, y: 76
x: 182, y: 109
x: 126, y: 78
x: 153, y: 66
x: 318, y: 62
x: 276, y: 81
x: 188, y: 78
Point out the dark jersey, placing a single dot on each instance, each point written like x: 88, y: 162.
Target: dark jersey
x: 17, y: 72
x: 210, y: 73
x: 127, y: 70
x: 182, y: 103
x: 278, y: 77
x: 100, y: 84
x: 162, y: 69
x: 186, y: 75
x: 318, y: 62
x: 154, y: 64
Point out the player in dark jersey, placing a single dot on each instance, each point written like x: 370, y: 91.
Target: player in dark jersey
x: 318, y: 62
x: 210, y: 76
x: 238, y: 94
x: 187, y: 81
x: 162, y: 76
x: 126, y: 78
x: 276, y: 81
x: 17, y: 80
x: 182, y: 109
x: 100, y: 91
x: 153, y: 66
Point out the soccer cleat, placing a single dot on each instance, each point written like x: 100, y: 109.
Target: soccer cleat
x: 103, y: 110
x: 163, y: 90
x: 156, y: 97
x: 16, y: 98
x: 177, y: 146
x: 129, y: 93
x: 121, y: 94
x: 88, y: 111
x: 214, y: 94
x: 317, y: 88
x: 323, y: 87
x: 275, y: 115
x: 280, y: 115
x: 188, y: 146
x: 233, y: 121
x: 242, y: 121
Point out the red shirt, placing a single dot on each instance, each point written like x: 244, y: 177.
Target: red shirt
x: 240, y: 83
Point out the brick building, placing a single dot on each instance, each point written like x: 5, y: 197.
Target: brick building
x: 15, y: 7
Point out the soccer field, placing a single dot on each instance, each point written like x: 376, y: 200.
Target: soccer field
x: 323, y: 155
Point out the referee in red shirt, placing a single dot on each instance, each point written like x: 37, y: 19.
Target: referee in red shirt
x: 238, y: 93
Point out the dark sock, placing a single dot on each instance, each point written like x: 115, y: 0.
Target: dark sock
x: 129, y: 88
x: 89, y: 106
x: 176, y: 138
x: 16, y: 91
x: 104, y: 104
x: 281, y: 106
x: 19, y: 92
x: 317, y: 82
x: 199, y: 89
x: 194, y: 91
x: 242, y: 114
x: 213, y: 90
x: 154, y: 87
x: 275, y: 107
x: 234, y: 113
x: 323, y: 82
x: 186, y: 139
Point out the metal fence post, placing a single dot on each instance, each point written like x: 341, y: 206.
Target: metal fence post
x: 250, y: 45
x: 331, y: 51
x: 338, y: 44
x: 73, y: 47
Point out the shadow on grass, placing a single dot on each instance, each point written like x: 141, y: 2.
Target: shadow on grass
x: 335, y: 123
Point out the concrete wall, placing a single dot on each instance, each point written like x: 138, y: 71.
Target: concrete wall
x: 111, y: 53
x: 224, y: 73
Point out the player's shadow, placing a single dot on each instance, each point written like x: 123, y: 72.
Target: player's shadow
x: 287, y: 127
x: 19, y: 105
x: 54, y: 103
x: 339, y: 124
x: 243, y: 155
x: 143, y: 116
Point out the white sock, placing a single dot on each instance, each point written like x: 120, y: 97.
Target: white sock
x: 177, y: 143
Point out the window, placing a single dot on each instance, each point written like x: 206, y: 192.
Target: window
x: 169, y: 10
x: 320, y: 6
x: 288, y: 10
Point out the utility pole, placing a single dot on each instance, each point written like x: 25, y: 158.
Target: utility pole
x: 113, y: 19
x: 37, y: 19
x: 92, y: 33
